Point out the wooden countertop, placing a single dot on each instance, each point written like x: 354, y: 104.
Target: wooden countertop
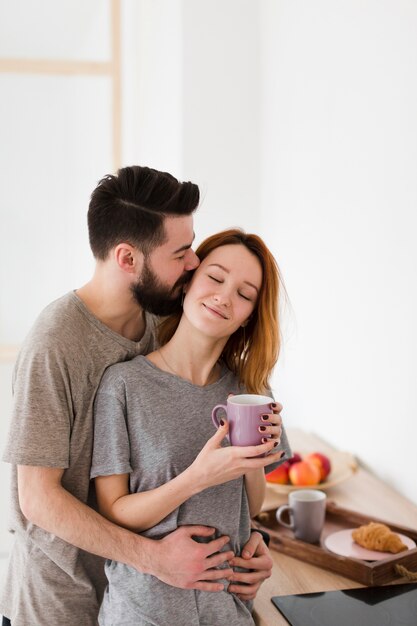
x: 362, y: 492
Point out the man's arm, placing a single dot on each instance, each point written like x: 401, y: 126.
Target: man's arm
x: 176, y: 559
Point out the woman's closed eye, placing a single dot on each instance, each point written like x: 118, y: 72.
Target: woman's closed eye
x: 217, y: 280
x: 220, y: 281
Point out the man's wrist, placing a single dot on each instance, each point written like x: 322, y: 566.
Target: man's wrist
x: 265, y: 536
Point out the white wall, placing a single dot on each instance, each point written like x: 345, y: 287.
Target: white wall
x: 55, y: 145
x: 152, y: 52
x: 338, y: 166
x: 191, y: 101
x: 221, y: 110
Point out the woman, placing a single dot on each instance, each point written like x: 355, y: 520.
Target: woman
x: 156, y: 461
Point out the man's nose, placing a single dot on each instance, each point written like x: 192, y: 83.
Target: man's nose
x: 192, y: 261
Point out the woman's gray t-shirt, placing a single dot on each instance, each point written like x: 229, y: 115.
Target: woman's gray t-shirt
x: 152, y: 424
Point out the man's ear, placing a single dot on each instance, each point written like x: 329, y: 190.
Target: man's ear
x: 128, y: 258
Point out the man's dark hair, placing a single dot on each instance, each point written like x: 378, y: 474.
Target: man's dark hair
x: 131, y: 206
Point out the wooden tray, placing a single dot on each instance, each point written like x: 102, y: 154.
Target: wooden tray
x: 366, y: 572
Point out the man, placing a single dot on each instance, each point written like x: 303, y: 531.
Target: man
x: 141, y: 232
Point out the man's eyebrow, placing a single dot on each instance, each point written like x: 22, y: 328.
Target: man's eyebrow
x: 228, y: 271
x: 187, y: 246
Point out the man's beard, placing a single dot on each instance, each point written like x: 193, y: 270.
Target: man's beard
x: 155, y: 297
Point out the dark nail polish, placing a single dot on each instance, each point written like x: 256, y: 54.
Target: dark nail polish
x: 273, y: 405
x: 275, y: 444
x: 264, y: 440
x: 282, y: 455
x: 262, y: 429
x: 265, y: 417
x: 221, y: 423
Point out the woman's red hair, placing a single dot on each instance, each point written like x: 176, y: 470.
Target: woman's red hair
x: 251, y: 352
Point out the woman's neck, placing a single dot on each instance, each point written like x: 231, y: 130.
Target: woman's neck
x: 190, y: 355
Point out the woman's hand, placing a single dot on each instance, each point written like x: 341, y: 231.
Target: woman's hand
x: 274, y: 431
x: 215, y: 464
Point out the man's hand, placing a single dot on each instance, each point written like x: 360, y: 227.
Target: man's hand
x: 184, y: 563
x: 256, y: 557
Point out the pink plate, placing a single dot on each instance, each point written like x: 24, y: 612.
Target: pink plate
x: 341, y: 542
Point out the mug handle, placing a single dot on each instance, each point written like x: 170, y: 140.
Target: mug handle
x: 214, y: 417
x: 280, y: 511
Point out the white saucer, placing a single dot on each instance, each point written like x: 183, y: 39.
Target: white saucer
x: 341, y: 542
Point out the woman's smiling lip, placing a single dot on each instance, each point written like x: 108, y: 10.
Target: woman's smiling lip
x: 215, y: 311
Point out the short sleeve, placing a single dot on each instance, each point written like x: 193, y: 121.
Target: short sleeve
x: 40, y: 427
x: 111, y: 446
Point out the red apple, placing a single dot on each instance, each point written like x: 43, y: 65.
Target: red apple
x: 279, y: 475
x: 321, y: 461
x: 295, y: 458
x: 303, y: 473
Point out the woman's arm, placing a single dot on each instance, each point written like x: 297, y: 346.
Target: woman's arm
x: 255, y: 488
x: 140, y: 511
x: 214, y: 465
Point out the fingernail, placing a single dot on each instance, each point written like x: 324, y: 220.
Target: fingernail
x: 275, y: 444
x: 282, y: 455
x: 246, y: 553
x: 265, y: 417
x: 221, y: 423
x: 262, y: 429
x: 264, y: 440
x: 273, y: 405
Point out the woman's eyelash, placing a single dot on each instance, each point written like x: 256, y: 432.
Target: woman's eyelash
x: 220, y: 281
x: 217, y: 280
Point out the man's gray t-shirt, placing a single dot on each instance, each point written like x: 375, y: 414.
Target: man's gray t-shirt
x: 152, y: 425
x: 55, y: 380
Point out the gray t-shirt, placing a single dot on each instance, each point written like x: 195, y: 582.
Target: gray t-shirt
x: 55, y: 380
x: 151, y: 425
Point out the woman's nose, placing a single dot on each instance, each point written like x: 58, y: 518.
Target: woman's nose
x: 222, y: 297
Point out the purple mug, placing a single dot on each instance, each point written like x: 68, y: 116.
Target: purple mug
x: 244, y: 417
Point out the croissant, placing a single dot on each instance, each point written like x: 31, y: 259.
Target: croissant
x: 375, y: 536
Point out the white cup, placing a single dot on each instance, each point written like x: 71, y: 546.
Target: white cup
x: 307, y: 510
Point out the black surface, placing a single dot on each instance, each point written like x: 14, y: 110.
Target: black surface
x: 391, y: 605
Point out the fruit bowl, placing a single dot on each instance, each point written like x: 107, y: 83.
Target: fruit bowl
x: 344, y: 465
